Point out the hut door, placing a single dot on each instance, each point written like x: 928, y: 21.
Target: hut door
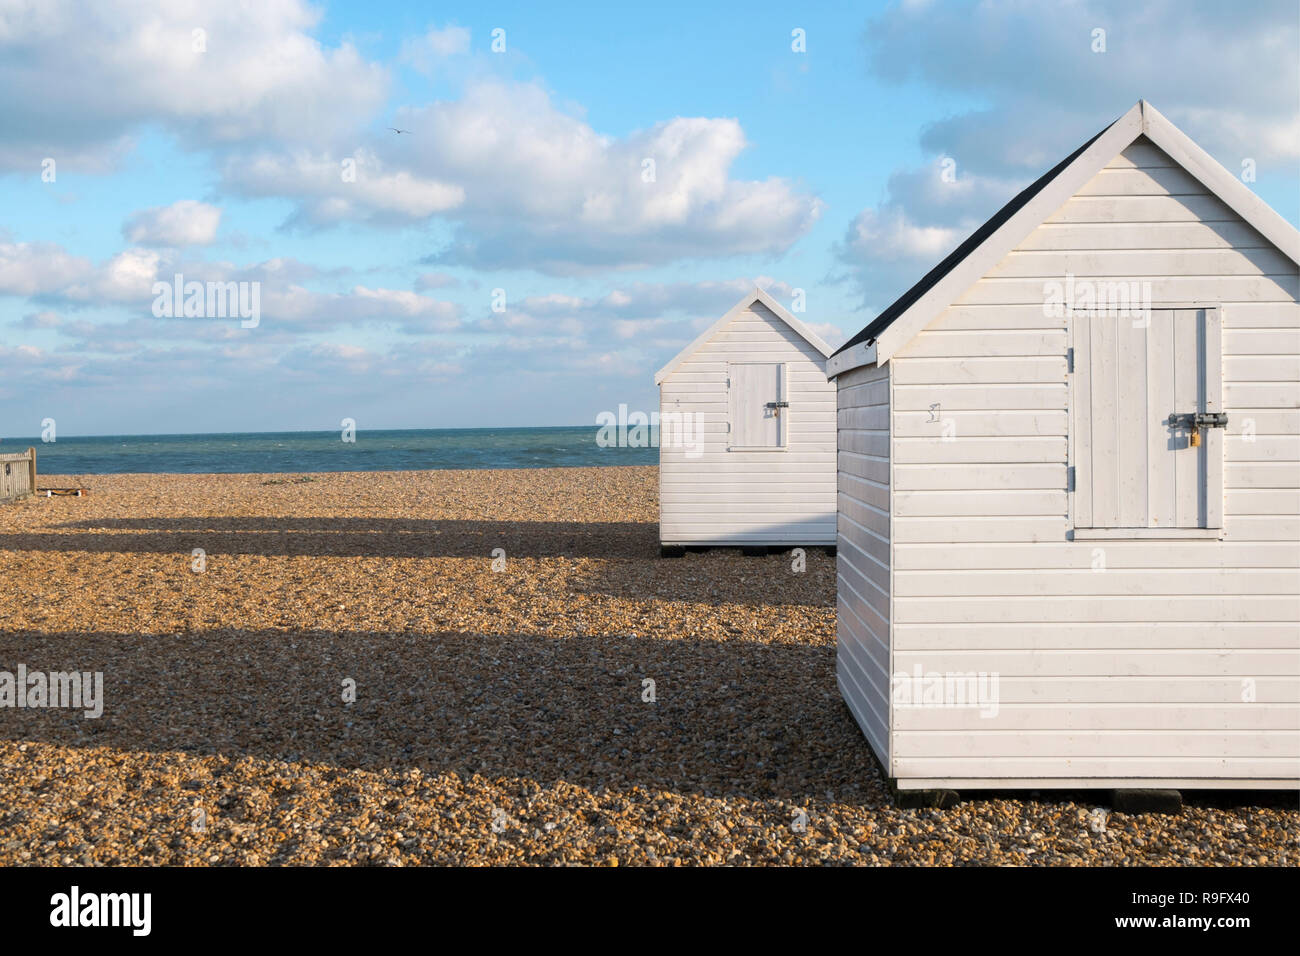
x: 758, y: 405
x: 1147, y: 410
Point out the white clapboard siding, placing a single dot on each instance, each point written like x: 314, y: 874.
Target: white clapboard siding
x: 1121, y: 660
x: 862, y: 554
x: 783, y: 493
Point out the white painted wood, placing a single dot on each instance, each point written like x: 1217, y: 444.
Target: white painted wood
x: 749, y: 476
x: 772, y: 306
x: 1087, y: 582
x: 1187, y: 461
x: 1169, y: 635
x: 751, y: 387
x: 855, y: 357
x: 946, y: 424
x: 1125, y: 264
x: 980, y: 344
x: 1121, y: 554
x: 1141, y: 154
x: 994, y: 397
x: 863, y: 553
x: 1116, y: 237
x: 986, y: 371
x: 1049, y: 743
x: 1136, y: 421
x: 1081, y: 420
x: 975, y: 503
x: 961, y: 782
x: 1222, y: 183
x: 1145, y: 534
x: 1133, y: 468
x: 979, y: 450
x: 1102, y: 408
x: 1148, y: 181
x: 1163, y: 289
x: 981, y: 477
x: 1162, y: 491
x: 1127, y: 656
x: 1075, y: 783
x: 1212, y: 394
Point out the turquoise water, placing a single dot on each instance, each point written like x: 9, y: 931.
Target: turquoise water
x: 405, y: 450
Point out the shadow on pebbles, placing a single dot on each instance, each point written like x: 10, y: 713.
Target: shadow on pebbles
x: 470, y: 668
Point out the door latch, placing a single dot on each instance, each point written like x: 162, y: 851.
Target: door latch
x: 1195, y: 421
x: 776, y: 407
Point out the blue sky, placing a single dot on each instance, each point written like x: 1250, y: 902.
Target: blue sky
x: 522, y: 171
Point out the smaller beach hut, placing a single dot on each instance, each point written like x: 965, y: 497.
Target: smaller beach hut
x: 747, y: 435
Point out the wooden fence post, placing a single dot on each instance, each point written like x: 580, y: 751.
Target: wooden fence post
x: 31, y: 468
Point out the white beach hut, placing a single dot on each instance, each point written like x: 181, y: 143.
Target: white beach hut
x: 1058, y: 566
x: 747, y: 435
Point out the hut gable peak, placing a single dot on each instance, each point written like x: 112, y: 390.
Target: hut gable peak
x: 772, y: 305
x: 898, y: 324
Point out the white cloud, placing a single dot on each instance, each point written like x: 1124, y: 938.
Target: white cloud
x: 128, y: 277
x: 518, y: 181
x: 92, y: 75
x: 530, y: 186
x: 924, y: 216
x: 633, y: 328
x: 184, y: 223
x: 374, y: 190
x: 435, y: 280
x: 652, y: 300
x: 45, y: 319
x: 1200, y: 62
x: 39, y: 268
x: 45, y: 271
x: 426, y: 51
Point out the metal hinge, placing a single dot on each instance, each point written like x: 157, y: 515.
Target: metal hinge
x: 1069, y: 359
x: 1069, y: 478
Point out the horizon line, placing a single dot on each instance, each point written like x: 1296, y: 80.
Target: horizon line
x: 35, y: 439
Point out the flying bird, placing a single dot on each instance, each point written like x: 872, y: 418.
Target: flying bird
x: 398, y: 131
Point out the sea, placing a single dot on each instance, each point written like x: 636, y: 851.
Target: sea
x: 305, y: 451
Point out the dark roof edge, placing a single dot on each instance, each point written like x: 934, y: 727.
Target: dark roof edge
x: 969, y: 245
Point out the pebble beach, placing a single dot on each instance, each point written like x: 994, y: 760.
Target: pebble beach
x: 472, y: 668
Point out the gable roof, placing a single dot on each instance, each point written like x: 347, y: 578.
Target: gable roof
x: 758, y: 295
x: 967, y: 264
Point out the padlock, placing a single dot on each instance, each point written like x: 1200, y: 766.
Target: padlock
x: 1195, y: 440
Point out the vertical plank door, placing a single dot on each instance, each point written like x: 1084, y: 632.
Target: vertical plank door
x: 1134, y: 384
x: 752, y: 387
